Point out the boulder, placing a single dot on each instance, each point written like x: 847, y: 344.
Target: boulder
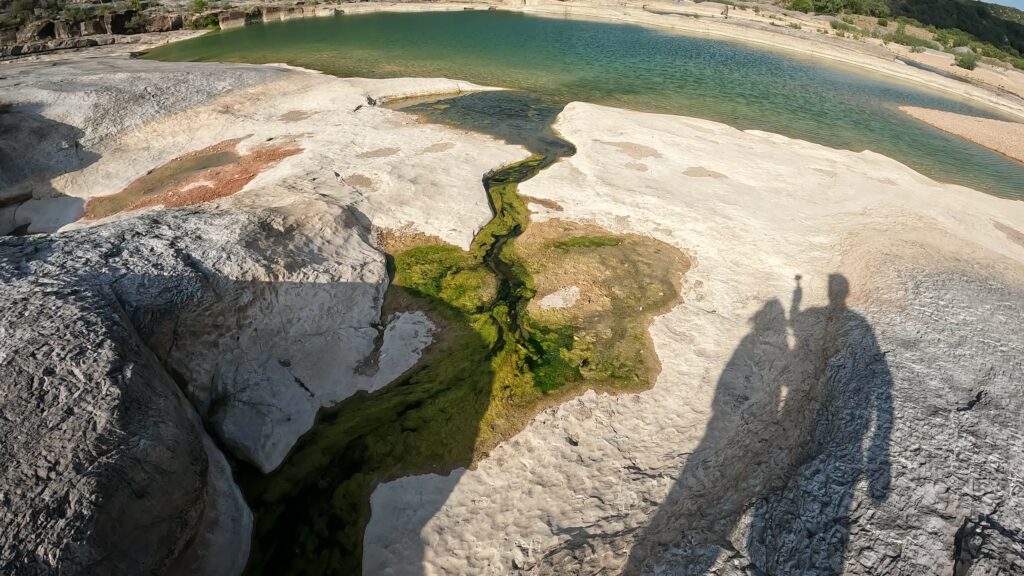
x: 65, y: 29
x: 41, y: 30
x: 238, y: 18
x: 108, y: 468
x: 164, y: 23
x: 272, y: 13
x: 117, y: 22
x: 91, y: 27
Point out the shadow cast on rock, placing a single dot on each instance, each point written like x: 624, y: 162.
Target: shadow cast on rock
x: 792, y: 430
x: 33, y: 151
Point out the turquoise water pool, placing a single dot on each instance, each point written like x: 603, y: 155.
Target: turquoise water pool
x: 558, y: 61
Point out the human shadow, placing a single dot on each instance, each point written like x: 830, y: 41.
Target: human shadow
x: 843, y: 379
x: 786, y: 437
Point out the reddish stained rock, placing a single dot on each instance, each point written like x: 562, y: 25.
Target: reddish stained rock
x: 200, y: 176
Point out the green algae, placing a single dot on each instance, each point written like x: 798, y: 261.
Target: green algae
x: 587, y: 242
x: 495, y: 363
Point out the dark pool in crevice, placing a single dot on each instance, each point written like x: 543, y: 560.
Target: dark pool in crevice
x: 311, y: 512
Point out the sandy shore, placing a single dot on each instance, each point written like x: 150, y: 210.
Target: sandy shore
x: 1004, y: 137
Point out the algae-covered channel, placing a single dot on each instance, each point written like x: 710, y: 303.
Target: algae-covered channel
x: 496, y: 360
x: 630, y: 67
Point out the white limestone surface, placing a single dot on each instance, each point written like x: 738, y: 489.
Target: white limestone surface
x: 751, y: 210
x: 109, y: 121
x: 296, y: 321
x: 565, y: 297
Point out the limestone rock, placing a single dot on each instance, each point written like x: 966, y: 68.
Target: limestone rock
x: 107, y: 471
x: 163, y: 23
x: 64, y: 29
x: 865, y: 420
x: 92, y: 26
x: 42, y: 30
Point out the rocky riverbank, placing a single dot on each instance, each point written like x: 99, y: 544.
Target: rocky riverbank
x: 217, y: 327
x: 837, y: 389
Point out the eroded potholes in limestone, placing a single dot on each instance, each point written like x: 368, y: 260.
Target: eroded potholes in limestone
x: 498, y: 359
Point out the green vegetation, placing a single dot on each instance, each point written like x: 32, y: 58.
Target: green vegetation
x: 836, y: 25
x: 900, y: 36
x: 135, y: 23
x: 967, y: 60
x: 991, y: 30
x: 197, y: 6
x: 492, y: 367
x: 867, y: 7
x: 587, y: 242
x: 975, y: 18
x: 204, y: 21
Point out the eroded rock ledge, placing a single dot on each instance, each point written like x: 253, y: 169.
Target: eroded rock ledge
x: 154, y: 339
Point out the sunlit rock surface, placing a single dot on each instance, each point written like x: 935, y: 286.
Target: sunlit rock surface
x: 863, y: 419
x: 140, y: 345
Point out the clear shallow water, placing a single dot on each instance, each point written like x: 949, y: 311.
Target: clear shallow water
x: 631, y: 67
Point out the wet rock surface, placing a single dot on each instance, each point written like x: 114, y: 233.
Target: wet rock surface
x: 864, y: 419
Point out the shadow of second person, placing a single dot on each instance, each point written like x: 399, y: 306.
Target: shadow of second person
x: 792, y: 433
x: 802, y: 526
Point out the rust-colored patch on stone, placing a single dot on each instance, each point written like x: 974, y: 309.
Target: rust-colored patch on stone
x: 200, y: 176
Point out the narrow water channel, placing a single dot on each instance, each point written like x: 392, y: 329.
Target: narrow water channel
x: 311, y: 513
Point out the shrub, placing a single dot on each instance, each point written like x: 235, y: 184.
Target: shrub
x: 802, y: 5
x: 197, y: 6
x: 848, y: 19
x: 795, y: 26
x: 203, y: 22
x: 842, y: 26
x: 900, y: 36
x: 967, y: 60
x: 75, y: 14
x: 135, y: 23
x: 883, y: 22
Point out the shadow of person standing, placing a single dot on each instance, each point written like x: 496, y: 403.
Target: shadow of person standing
x: 698, y: 516
x: 839, y: 410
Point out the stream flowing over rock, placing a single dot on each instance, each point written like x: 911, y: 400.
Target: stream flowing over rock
x: 140, y: 348
x: 840, y: 388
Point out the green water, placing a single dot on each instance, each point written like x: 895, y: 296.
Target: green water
x: 632, y: 67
